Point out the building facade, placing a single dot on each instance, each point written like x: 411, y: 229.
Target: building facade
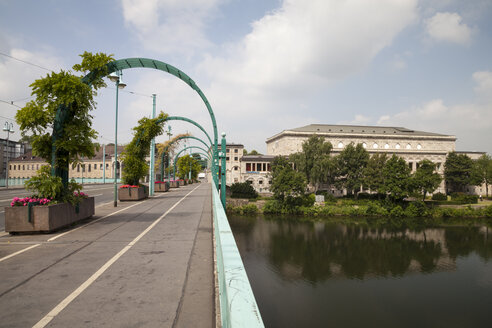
x: 14, y: 149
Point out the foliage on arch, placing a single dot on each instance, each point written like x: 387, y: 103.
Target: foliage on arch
x: 133, y: 158
x: 185, y: 163
x: 169, y: 146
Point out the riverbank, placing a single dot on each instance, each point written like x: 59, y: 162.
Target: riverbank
x: 362, y: 208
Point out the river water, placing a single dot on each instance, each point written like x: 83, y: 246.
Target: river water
x: 322, y: 274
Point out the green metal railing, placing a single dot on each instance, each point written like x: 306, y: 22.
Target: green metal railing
x: 238, y: 306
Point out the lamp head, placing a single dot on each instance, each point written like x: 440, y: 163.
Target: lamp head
x: 121, y: 85
x: 113, y: 77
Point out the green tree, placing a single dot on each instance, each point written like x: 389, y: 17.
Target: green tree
x: 351, y: 164
x: 286, y: 182
x: 426, y: 179
x: 133, y: 158
x: 253, y: 152
x: 185, y: 163
x: 372, y: 175
x: 396, y: 176
x: 39, y: 119
x: 483, y: 171
x: 314, y: 161
x: 458, y: 172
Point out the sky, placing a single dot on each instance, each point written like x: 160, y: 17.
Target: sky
x: 266, y: 65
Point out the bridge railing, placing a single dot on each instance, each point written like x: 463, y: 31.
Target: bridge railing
x: 238, y: 306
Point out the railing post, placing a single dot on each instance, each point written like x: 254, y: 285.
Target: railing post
x: 223, y: 171
x: 152, y: 154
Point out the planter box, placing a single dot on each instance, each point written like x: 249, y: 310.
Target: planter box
x: 182, y: 182
x: 139, y: 193
x: 47, y: 218
x: 174, y: 184
x: 161, y: 187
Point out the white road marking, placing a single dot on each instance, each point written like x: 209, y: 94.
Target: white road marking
x: 96, y: 195
x: 19, y: 252
x: 63, y: 304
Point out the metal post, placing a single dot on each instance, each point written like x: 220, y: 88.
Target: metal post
x: 152, y: 154
x: 10, y: 129
x: 104, y: 163
x: 223, y: 171
x: 116, y: 148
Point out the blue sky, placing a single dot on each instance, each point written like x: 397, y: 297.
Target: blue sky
x: 266, y: 66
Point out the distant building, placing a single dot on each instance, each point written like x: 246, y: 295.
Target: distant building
x: 413, y: 146
x: 14, y: 149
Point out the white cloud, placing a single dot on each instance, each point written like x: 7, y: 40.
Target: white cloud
x: 448, y: 27
x: 471, y: 123
x: 294, y: 52
x: 483, y: 89
x: 358, y: 120
x: 170, y: 26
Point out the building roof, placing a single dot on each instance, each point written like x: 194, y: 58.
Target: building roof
x: 257, y: 158
x: 358, y: 129
x: 233, y: 145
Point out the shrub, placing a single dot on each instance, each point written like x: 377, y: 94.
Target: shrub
x: 243, y: 190
x: 397, y: 211
x: 439, y: 196
x: 376, y: 209
x: 249, y: 209
x: 416, y: 209
x: 272, y: 207
x: 488, y: 211
x: 308, y: 200
x: 462, y: 198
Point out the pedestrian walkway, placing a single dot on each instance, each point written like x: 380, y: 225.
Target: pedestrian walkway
x: 143, y: 264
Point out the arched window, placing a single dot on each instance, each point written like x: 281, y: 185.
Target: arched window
x: 386, y: 146
x: 375, y: 146
x: 340, y: 144
x: 419, y: 146
x: 397, y: 146
x: 409, y: 146
x: 364, y: 145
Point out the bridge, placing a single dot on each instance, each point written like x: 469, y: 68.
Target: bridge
x: 146, y: 264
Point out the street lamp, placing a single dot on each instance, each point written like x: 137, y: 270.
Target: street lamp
x: 9, y: 127
x: 116, y: 78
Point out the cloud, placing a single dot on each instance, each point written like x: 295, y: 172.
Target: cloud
x: 170, y: 26
x: 471, y: 123
x: 483, y: 88
x: 293, y: 53
x: 448, y: 27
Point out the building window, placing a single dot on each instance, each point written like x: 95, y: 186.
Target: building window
x: 419, y: 146
x: 410, y: 165
x: 364, y: 145
x: 14, y: 167
x: 89, y: 167
x: 340, y: 144
x: 386, y: 146
x: 235, y: 168
x: 397, y: 146
x: 23, y: 167
x: 95, y: 166
x: 409, y: 146
x: 235, y: 151
x: 107, y: 165
x: 253, y: 166
x: 236, y: 180
x: 248, y: 167
x: 269, y: 181
x: 375, y: 146
x: 227, y: 158
x: 78, y: 168
x: 269, y: 168
x: 10, y: 167
x: 260, y: 182
x: 235, y: 158
x: 100, y: 166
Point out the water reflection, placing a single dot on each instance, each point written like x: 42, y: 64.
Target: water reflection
x: 321, y: 274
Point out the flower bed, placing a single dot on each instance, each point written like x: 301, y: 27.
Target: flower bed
x: 161, y: 186
x: 181, y: 182
x: 41, y: 215
x: 132, y: 192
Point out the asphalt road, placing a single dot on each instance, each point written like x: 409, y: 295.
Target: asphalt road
x: 143, y: 264
x: 103, y: 193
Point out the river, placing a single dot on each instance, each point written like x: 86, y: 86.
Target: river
x: 325, y: 274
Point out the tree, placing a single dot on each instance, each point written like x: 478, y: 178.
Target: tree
x: 185, y: 163
x: 133, y: 158
x: 372, y: 175
x: 314, y: 161
x: 396, y: 176
x: 425, y: 179
x: 286, y: 182
x: 351, y: 163
x: 65, y: 90
x: 483, y: 171
x: 458, y: 171
x: 253, y: 152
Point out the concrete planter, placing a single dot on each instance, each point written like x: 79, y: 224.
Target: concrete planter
x: 161, y: 187
x: 125, y: 194
x: 174, y: 184
x: 182, y: 183
x: 47, y: 218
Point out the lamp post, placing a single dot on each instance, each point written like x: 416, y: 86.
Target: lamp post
x: 169, y: 134
x: 9, y: 127
x: 116, y: 78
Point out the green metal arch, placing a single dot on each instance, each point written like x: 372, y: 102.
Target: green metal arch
x: 189, y: 147
x: 180, y: 118
x: 119, y: 65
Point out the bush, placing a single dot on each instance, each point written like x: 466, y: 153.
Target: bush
x: 376, y: 209
x: 462, y: 198
x: 416, y: 209
x: 272, y: 207
x: 249, y: 209
x: 397, y: 212
x: 439, y: 196
x: 308, y: 200
x: 243, y: 190
x: 488, y: 211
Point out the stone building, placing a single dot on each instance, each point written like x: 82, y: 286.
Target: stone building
x: 413, y: 146
x: 26, y: 165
